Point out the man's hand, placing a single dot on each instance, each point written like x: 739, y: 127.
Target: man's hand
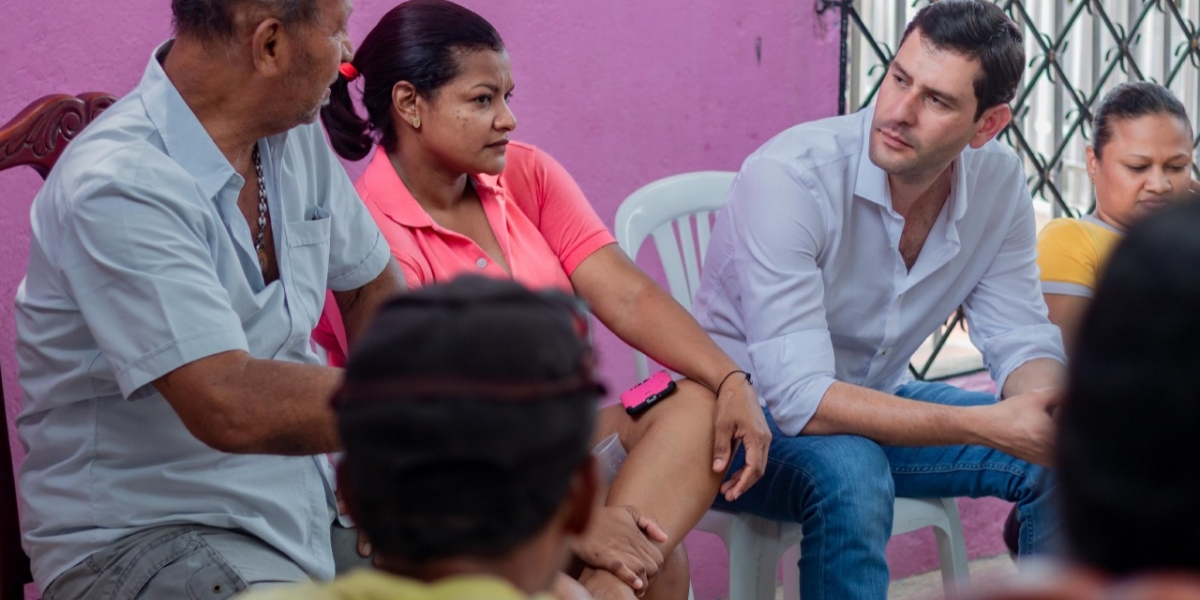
x: 1023, y: 425
x: 620, y: 540
x: 364, y: 544
x: 739, y: 419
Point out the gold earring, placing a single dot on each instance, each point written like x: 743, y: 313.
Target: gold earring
x: 417, y: 122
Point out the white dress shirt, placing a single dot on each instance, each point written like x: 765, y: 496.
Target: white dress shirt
x: 804, y: 285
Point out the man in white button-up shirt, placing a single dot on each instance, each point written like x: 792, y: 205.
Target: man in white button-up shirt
x: 843, y: 244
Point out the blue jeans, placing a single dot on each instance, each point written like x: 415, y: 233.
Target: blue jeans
x: 841, y: 489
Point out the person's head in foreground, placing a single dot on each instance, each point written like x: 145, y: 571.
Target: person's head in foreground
x: 958, y: 66
x: 436, y: 81
x: 466, y: 415
x: 1141, y: 152
x: 1128, y: 427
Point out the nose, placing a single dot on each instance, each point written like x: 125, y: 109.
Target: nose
x: 347, y: 49
x: 1158, y: 182
x: 905, y: 110
x: 505, y: 121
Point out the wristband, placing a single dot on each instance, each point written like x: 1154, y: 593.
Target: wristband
x: 731, y: 374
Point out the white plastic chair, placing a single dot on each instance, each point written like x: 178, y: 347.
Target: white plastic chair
x: 677, y: 212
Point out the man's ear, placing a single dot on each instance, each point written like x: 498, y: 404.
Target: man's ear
x: 992, y: 122
x: 270, y: 47
x: 404, y: 101
x: 582, y: 495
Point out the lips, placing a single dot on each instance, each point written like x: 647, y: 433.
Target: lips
x: 893, y: 140
x: 499, y: 144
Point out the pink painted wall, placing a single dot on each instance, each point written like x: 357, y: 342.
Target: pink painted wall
x: 621, y: 92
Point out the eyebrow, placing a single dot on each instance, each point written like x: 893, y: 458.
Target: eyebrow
x: 1171, y: 158
x: 495, y: 89
x: 946, y: 97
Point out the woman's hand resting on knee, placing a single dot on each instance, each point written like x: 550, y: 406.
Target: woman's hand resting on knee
x: 622, y: 541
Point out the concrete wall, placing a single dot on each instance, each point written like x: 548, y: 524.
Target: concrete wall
x: 621, y: 92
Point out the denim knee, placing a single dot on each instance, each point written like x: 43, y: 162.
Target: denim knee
x: 844, y: 477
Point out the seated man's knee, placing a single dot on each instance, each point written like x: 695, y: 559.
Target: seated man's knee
x: 848, y: 475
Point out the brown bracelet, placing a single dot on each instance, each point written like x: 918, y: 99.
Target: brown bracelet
x: 730, y: 374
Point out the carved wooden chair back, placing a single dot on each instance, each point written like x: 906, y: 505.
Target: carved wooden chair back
x: 36, y: 137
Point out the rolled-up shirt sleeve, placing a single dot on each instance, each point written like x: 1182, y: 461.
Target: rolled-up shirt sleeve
x: 142, y: 270
x: 1006, y: 312
x: 781, y: 230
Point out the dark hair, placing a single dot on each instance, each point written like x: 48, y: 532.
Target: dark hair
x: 466, y: 409
x: 1128, y: 429
x: 1130, y: 101
x: 980, y: 30
x: 419, y: 41
x: 216, y: 19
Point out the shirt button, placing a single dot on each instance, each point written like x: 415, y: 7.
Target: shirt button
x: 481, y: 263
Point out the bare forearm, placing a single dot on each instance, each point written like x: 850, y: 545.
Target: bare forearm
x: 359, y: 306
x: 239, y: 404
x: 1067, y: 313
x: 893, y: 421
x: 653, y: 322
x: 1037, y: 374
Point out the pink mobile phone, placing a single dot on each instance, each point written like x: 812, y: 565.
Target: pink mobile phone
x: 643, y: 395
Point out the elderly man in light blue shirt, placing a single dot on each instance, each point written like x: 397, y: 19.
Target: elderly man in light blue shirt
x: 842, y: 245
x: 176, y: 419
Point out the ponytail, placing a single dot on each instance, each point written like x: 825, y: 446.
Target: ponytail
x: 349, y: 134
x: 418, y: 41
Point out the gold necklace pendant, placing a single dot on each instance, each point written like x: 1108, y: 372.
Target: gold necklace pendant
x: 263, y: 259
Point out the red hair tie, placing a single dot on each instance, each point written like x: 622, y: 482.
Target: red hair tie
x: 348, y: 71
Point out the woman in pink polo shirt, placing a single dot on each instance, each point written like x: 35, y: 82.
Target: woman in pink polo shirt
x: 453, y: 194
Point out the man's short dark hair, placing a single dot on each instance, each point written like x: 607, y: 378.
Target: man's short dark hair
x: 978, y: 29
x: 1129, y: 430
x: 465, y: 412
x: 214, y: 20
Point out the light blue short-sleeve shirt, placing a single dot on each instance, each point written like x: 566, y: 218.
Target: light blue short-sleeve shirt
x: 141, y: 262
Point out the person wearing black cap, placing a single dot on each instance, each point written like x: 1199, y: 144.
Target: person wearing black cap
x: 467, y: 464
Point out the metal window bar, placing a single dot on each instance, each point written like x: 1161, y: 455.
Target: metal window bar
x: 1077, y: 50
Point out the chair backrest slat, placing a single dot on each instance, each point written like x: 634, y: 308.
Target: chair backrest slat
x: 703, y: 229
x: 36, y: 137
x: 668, y: 210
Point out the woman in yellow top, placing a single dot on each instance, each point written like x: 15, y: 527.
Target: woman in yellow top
x: 1141, y: 152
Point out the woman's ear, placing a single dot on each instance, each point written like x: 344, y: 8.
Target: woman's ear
x: 406, y: 104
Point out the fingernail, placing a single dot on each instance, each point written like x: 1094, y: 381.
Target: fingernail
x: 367, y: 548
x: 718, y: 463
x: 637, y: 583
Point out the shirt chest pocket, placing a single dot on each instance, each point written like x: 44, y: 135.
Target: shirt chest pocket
x: 308, y: 263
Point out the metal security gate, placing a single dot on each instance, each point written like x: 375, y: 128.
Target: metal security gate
x: 1076, y: 51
